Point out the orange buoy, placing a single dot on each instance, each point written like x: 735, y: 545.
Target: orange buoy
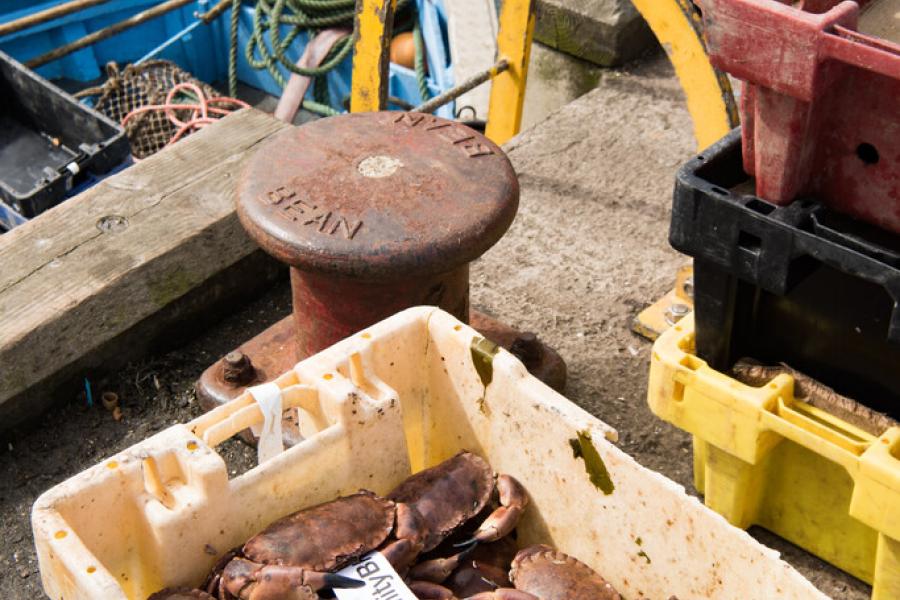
x: 403, y: 50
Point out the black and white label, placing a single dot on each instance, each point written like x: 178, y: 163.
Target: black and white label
x: 382, y: 581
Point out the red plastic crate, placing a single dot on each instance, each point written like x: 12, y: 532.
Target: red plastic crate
x: 820, y: 104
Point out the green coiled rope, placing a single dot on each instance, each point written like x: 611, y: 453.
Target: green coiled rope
x: 311, y: 16
x: 419, y: 45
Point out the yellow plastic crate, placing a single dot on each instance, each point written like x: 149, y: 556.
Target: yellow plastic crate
x: 762, y: 457
x: 405, y: 394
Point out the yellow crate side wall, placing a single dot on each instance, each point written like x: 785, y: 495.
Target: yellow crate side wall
x: 797, y: 494
x: 839, y: 500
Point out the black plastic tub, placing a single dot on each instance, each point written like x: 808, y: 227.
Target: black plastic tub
x: 49, y: 142
x: 798, y: 284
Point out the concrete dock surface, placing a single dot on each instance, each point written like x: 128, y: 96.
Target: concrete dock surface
x: 586, y: 253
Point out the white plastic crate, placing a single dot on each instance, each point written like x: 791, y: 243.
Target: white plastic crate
x: 407, y: 393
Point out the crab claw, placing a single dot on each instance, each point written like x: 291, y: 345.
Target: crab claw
x: 328, y: 581
x: 409, y: 528
x: 248, y: 580
x: 502, y: 521
x: 401, y: 554
x: 504, y: 594
x: 426, y: 590
x: 211, y: 585
x: 439, y: 569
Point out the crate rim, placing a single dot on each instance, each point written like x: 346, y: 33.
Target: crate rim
x: 877, y: 466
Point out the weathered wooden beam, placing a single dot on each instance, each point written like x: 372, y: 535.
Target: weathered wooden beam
x: 142, y: 251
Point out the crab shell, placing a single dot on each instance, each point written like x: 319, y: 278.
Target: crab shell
x: 327, y: 536
x: 553, y: 575
x: 180, y: 594
x: 447, y: 495
x: 264, y: 582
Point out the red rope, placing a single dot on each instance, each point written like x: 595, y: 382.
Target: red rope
x: 200, y: 111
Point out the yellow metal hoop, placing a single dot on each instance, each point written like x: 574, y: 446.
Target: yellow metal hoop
x: 710, y: 101
x: 676, y: 24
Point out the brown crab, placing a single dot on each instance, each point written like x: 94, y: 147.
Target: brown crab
x: 180, y: 594
x: 478, y: 568
x: 291, y: 557
x: 542, y: 573
x: 486, y: 569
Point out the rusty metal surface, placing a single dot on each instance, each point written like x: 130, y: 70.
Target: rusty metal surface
x: 375, y: 213
x: 378, y: 195
x: 328, y: 308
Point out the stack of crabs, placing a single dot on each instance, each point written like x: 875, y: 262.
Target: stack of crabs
x: 442, y: 528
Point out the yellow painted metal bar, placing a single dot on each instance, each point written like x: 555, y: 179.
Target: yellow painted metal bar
x: 709, y: 97
x: 508, y: 88
x: 372, y: 38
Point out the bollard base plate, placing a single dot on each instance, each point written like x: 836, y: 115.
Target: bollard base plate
x: 274, y: 351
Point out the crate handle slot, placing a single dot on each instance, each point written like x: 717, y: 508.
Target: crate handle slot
x: 296, y: 396
x: 357, y: 372
x: 153, y: 483
x: 821, y: 424
x: 361, y: 376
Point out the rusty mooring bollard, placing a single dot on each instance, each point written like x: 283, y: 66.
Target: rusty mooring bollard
x: 374, y: 213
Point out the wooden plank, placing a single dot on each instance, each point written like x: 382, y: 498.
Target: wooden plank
x: 68, y: 288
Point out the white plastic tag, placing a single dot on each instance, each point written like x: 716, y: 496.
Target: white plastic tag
x: 382, y: 581
x: 268, y: 397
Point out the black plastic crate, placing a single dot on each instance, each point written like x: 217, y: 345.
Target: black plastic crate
x: 798, y: 284
x: 49, y: 142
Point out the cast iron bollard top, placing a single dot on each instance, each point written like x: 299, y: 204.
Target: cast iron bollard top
x: 378, y: 196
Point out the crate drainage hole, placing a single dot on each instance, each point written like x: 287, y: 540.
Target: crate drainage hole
x: 867, y: 153
x: 112, y: 223
x: 750, y: 242
x: 761, y: 207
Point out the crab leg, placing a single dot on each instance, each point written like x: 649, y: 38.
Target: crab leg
x: 426, y: 590
x: 211, y: 585
x: 502, y: 521
x: 439, y: 569
x: 248, y: 580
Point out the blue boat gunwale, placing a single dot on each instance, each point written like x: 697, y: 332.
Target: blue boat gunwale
x: 203, y: 52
